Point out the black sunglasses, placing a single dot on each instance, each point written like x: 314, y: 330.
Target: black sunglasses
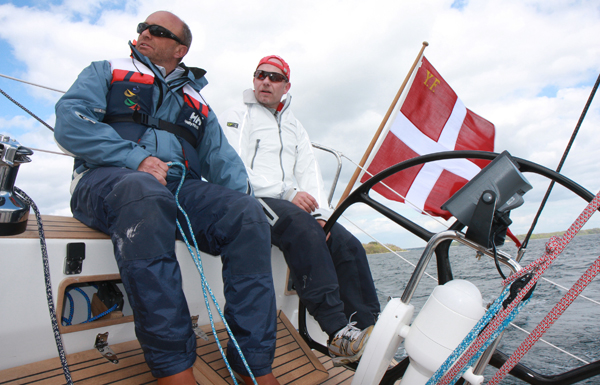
x: 158, y: 31
x: 273, y: 76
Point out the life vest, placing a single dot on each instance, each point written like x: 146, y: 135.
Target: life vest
x: 129, y: 109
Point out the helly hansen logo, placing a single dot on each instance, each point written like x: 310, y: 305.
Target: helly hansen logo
x: 195, y: 118
x: 194, y: 121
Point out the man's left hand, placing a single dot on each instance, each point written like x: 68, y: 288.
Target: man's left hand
x: 305, y: 201
x: 155, y: 167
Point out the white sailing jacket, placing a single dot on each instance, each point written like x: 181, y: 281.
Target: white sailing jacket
x: 276, y: 151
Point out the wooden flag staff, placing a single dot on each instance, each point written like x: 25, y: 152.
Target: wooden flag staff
x: 380, y: 129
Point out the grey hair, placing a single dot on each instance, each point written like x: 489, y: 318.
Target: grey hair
x: 187, y: 35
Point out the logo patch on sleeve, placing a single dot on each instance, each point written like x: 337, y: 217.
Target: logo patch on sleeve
x: 232, y: 124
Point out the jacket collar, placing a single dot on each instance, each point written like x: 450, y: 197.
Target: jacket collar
x: 196, y: 75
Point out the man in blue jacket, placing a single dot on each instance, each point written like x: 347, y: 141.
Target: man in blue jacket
x: 124, y: 120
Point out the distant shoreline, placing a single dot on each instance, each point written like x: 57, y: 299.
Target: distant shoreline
x: 556, y: 233
x: 373, y: 248
x: 377, y: 248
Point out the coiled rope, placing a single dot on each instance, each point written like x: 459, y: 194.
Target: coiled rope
x: 69, y: 320
x: 205, y: 287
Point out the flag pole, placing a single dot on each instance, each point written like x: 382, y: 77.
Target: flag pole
x: 380, y: 129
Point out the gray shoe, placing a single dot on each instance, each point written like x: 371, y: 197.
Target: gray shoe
x: 348, y: 344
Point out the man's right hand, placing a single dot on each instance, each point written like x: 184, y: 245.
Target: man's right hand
x: 156, y: 168
x: 305, y: 201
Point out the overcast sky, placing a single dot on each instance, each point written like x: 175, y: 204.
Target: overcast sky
x: 528, y: 66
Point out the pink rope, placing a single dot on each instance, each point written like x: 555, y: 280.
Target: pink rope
x: 554, y: 247
x: 547, y: 322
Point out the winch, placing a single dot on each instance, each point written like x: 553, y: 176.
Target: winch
x: 13, y: 211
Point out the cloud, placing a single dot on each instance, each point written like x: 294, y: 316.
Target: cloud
x: 527, y: 66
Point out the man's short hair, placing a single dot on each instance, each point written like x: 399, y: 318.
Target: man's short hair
x: 187, y: 35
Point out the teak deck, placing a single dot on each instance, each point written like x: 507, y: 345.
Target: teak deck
x: 294, y: 364
x: 58, y: 227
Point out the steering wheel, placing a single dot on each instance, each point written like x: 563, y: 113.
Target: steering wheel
x: 361, y: 195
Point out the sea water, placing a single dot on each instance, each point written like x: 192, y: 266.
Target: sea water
x: 577, y: 331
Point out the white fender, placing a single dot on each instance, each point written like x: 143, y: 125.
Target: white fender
x: 446, y: 318
x: 383, y: 343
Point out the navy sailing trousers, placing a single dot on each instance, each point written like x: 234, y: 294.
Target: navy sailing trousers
x: 139, y: 214
x: 332, y: 278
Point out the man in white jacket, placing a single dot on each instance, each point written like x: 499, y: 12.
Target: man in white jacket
x: 330, y: 271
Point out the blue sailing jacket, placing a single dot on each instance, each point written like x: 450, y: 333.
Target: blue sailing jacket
x: 80, y: 129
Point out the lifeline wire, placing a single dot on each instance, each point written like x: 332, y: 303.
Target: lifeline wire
x: 57, y: 336
x: 26, y: 110
x: 32, y: 84
x: 205, y: 287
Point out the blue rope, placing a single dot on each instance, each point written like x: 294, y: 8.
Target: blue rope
x: 205, y: 287
x: 487, y: 343
x: 67, y: 321
x: 468, y: 340
x: 91, y: 319
x: 87, y: 300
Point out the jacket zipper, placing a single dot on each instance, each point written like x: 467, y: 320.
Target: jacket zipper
x: 278, y: 119
x: 255, y: 152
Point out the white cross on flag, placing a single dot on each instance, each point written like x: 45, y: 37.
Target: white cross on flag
x: 431, y: 119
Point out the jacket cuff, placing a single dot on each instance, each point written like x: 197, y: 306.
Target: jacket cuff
x: 290, y: 194
x: 135, y: 157
x: 321, y: 213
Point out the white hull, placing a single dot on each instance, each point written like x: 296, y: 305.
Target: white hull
x: 25, y: 327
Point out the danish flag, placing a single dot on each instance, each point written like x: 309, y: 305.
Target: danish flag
x: 431, y: 119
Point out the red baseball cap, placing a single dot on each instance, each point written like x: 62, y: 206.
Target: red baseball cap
x: 276, y: 61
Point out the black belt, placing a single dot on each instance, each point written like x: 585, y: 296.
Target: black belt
x: 147, y: 120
